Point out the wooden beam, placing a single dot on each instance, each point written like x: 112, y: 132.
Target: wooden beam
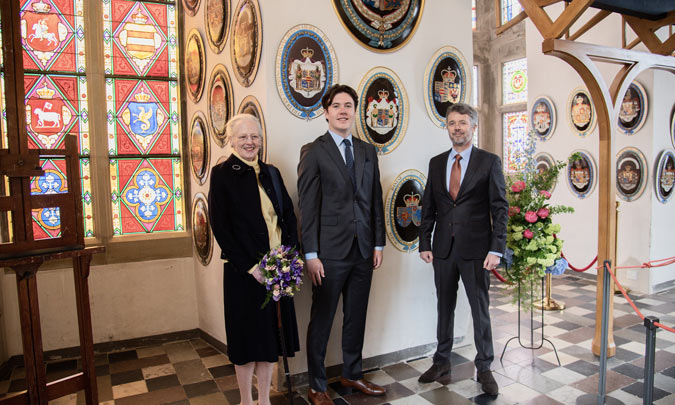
x: 515, y: 20
x: 633, y: 43
x: 599, y: 16
x: 547, y: 27
x: 645, y: 31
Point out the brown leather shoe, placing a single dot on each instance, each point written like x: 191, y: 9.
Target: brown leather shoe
x: 435, y: 372
x: 364, y: 386
x: 487, y: 382
x: 319, y: 397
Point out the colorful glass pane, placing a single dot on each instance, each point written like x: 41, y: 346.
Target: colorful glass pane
x: 54, y: 181
x: 142, y: 117
x: 46, y: 223
x: 510, y: 9
x: 140, y: 38
x: 56, y: 106
x: 514, y: 81
x: 473, y: 15
x: 474, y: 86
x: 515, y: 141
x: 52, y: 33
x: 87, y: 207
x: 147, y: 195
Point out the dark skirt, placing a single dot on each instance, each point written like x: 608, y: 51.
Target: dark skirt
x: 252, y: 333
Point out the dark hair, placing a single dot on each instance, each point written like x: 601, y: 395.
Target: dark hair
x: 334, y: 90
x: 463, y: 109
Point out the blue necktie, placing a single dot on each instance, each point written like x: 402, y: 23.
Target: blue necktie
x: 349, y: 161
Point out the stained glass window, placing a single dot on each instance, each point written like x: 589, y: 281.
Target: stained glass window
x: 474, y: 86
x: 473, y: 15
x: 510, y: 9
x: 515, y: 141
x: 514, y: 81
x: 144, y: 142
x: 52, y: 34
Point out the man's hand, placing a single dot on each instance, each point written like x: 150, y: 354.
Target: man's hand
x: 257, y: 274
x: 491, y: 262
x: 377, y: 258
x: 427, y: 256
x: 315, y: 270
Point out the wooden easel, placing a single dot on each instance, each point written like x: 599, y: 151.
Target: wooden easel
x: 20, y: 250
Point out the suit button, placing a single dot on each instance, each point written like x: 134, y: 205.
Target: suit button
x: 454, y: 205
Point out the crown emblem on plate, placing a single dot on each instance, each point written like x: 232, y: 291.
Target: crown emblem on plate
x: 578, y: 100
x: 449, y: 74
x: 307, y: 53
x: 140, y: 18
x: 45, y: 92
x: 540, y: 108
x: 384, y: 94
x: 411, y: 200
x: 41, y: 7
x: 142, y: 97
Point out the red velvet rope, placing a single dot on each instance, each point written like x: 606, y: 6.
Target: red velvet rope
x: 499, y: 276
x: 578, y: 270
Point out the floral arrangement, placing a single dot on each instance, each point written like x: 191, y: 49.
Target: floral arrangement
x: 532, y: 246
x: 281, y: 269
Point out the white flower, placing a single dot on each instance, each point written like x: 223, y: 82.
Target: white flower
x: 286, y: 269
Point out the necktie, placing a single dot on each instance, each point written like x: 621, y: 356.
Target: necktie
x: 455, y: 177
x: 349, y: 161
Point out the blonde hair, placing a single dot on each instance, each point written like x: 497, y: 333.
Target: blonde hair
x: 235, y: 122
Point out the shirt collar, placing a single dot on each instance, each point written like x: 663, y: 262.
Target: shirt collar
x: 338, y: 139
x: 464, y: 154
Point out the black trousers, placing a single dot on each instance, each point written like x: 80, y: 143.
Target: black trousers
x: 447, y: 273
x: 350, y: 277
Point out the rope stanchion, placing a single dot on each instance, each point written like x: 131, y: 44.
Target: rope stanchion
x: 578, y: 270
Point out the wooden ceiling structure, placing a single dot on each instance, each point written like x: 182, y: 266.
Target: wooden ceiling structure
x: 645, y: 18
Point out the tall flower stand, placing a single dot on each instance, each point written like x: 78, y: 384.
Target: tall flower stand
x: 548, y: 303
x: 520, y: 336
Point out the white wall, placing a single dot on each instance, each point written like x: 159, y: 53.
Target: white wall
x: 643, y: 223
x: 127, y: 301
x: 402, y: 308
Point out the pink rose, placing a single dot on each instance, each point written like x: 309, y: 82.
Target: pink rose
x: 518, y: 186
x: 543, y: 213
x: 545, y: 193
x: 531, y: 216
x: 513, y: 211
x: 528, y: 234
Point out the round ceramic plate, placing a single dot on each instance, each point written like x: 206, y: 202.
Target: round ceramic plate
x: 220, y: 103
x: 580, y: 112
x: 543, y: 161
x: 246, y: 41
x: 634, y: 108
x: 582, y: 174
x: 542, y: 117
x: 191, y: 7
x: 403, y: 212
x: 664, y: 176
x: 195, y: 65
x: 199, y: 147
x: 631, y: 173
x: 216, y: 22
x: 201, y: 230
x: 380, y: 26
x: 306, y: 67
x: 446, y: 81
x: 250, y: 105
x: 383, y: 109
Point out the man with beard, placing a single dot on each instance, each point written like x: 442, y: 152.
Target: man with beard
x: 465, y: 207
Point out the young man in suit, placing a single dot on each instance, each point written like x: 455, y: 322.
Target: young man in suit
x: 465, y: 206
x: 343, y: 234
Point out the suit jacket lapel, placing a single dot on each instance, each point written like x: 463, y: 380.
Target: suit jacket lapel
x: 333, y: 152
x: 474, y: 164
x: 442, y: 172
x: 359, y: 160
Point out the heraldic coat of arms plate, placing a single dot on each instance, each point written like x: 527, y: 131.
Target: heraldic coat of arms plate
x: 250, y: 105
x: 581, y: 174
x: 633, y: 110
x: 201, y: 230
x: 195, y: 65
x: 664, y: 177
x: 383, y: 109
x: 199, y: 147
x: 631, y: 173
x: 581, y: 113
x: 403, y: 212
x: 380, y: 25
x: 542, y: 162
x: 542, y: 117
x: 306, y: 67
x: 446, y: 81
x: 216, y: 22
x: 220, y: 103
x: 246, y: 42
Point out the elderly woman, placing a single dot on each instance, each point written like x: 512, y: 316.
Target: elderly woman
x: 246, y: 197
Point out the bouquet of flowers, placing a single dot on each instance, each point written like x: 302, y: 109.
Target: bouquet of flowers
x: 532, y: 246
x: 281, y: 269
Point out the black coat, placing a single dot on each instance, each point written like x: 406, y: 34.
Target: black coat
x: 240, y: 229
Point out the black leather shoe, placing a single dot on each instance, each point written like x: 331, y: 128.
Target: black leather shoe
x: 435, y: 372
x: 488, y: 383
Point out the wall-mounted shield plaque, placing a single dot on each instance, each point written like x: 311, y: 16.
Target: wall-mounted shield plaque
x: 634, y: 108
x: 250, y: 105
x: 580, y: 112
x: 672, y: 128
x: 631, y: 173
x: 403, y: 212
x: 306, y: 66
x: 220, y: 103
x: 446, y: 81
x: 542, y: 162
x: 380, y: 25
x: 199, y: 147
x: 383, y: 109
x: 664, y: 177
x: 191, y: 7
x: 246, y: 41
x: 195, y: 65
x: 542, y: 117
x: 581, y: 174
x: 216, y: 22
x: 201, y: 230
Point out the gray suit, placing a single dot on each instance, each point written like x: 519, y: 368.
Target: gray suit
x: 343, y: 223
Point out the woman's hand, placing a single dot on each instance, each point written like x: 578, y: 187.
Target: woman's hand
x: 257, y: 274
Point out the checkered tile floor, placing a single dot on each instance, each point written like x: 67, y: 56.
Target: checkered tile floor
x: 192, y: 372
